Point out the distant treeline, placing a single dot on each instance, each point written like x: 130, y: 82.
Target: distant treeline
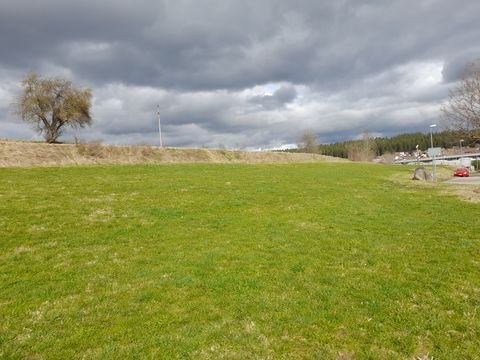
x: 401, y: 143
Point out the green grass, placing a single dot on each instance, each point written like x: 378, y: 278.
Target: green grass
x: 238, y: 261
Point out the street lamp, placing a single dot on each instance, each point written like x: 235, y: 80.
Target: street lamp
x: 433, y: 156
x: 461, y: 149
x: 431, y: 134
x: 159, y: 126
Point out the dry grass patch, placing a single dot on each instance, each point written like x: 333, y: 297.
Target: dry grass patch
x: 23, y: 153
x: 469, y: 193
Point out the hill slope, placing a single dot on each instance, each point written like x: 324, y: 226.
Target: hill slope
x: 19, y: 153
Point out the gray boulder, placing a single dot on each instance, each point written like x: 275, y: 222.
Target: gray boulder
x: 422, y: 174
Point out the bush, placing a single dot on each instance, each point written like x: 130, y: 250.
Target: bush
x: 93, y: 149
x: 362, y: 150
x: 146, y: 150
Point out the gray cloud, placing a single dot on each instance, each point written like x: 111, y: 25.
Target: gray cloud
x: 283, y: 95
x: 243, y: 73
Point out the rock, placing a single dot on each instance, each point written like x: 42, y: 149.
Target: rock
x: 422, y: 174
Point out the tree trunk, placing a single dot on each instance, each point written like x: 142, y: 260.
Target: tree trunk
x: 52, y: 135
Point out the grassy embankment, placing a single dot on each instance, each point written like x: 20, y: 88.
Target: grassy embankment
x: 27, y: 153
x: 241, y: 261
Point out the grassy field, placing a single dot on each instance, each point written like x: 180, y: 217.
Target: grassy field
x: 327, y: 261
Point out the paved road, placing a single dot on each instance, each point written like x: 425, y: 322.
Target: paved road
x: 474, y: 179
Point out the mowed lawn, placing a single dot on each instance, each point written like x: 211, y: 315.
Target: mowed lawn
x: 327, y: 261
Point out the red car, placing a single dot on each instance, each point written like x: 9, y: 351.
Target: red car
x: 463, y: 172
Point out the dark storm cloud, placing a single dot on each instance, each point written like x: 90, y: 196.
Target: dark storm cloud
x: 457, y: 63
x: 283, y: 95
x: 243, y: 72
x: 231, y: 44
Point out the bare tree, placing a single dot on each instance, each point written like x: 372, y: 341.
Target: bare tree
x: 308, y: 142
x: 462, y: 109
x: 362, y: 150
x: 50, y: 104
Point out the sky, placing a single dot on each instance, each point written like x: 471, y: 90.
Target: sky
x: 250, y: 74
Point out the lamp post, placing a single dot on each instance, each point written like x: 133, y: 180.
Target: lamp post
x: 431, y: 134
x: 461, y: 149
x: 159, y: 126
x: 433, y: 156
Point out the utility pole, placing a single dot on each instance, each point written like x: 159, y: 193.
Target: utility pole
x: 461, y: 149
x: 159, y: 126
x: 433, y: 157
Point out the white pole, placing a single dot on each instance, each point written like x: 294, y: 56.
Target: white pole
x: 159, y: 126
x: 433, y: 156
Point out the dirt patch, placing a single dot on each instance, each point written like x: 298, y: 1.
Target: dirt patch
x: 468, y: 193
x: 25, y: 154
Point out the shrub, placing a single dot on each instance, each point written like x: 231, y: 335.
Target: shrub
x: 147, y: 150
x: 93, y: 149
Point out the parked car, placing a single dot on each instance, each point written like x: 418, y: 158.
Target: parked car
x: 463, y: 172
